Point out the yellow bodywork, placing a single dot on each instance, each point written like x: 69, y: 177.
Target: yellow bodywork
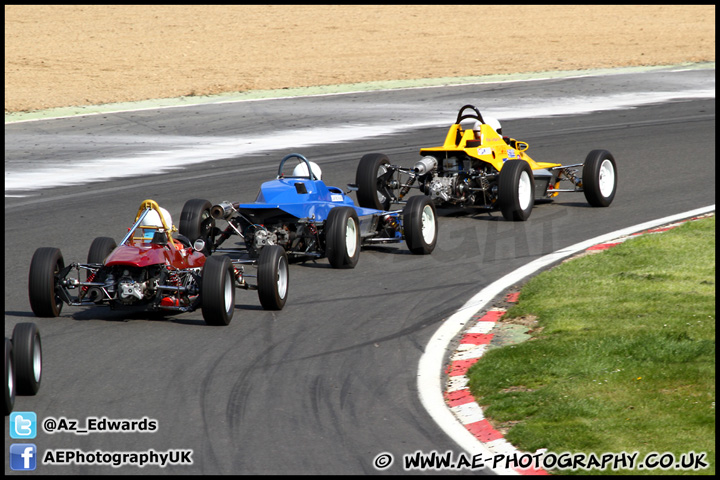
x: 490, y: 148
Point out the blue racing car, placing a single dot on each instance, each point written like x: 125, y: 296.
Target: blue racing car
x: 308, y: 219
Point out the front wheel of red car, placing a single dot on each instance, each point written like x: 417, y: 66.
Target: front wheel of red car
x: 46, y: 263
x: 516, y: 190
x: 342, y: 237
x: 218, y: 291
x: 272, y: 277
x: 420, y: 224
x: 599, y: 178
x: 27, y: 353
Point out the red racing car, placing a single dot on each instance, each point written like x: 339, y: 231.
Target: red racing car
x: 152, y: 270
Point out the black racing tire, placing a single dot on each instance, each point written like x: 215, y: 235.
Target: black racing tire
x: 420, y: 224
x: 100, y: 248
x: 27, y: 353
x: 516, y: 190
x: 42, y: 289
x: 9, y: 377
x: 342, y: 237
x: 218, y: 291
x: 196, y: 220
x: 273, y: 277
x: 372, y: 192
x: 599, y: 178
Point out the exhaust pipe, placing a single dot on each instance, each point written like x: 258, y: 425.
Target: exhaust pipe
x: 425, y: 165
x: 222, y: 211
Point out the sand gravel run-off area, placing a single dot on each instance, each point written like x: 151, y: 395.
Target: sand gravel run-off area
x: 58, y: 56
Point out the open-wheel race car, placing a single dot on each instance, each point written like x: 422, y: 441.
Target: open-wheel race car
x: 307, y: 219
x: 479, y: 167
x: 150, y: 270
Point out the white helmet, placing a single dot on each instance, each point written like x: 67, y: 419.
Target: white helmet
x: 152, y: 219
x: 302, y: 171
x: 494, y: 123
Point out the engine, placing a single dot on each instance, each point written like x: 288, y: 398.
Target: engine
x: 454, y: 188
x: 456, y: 181
x: 130, y: 286
x: 292, y: 237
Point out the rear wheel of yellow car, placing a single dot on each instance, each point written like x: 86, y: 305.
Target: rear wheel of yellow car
x: 371, y: 180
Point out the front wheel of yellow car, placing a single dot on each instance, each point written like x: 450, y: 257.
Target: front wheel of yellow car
x: 599, y: 178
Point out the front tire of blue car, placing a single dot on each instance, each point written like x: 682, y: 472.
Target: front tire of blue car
x: 342, y: 237
x: 218, y: 291
x: 516, y: 190
x: 420, y: 224
x: 273, y: 277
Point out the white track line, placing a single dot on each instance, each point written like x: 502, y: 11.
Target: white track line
x: 430, y: 367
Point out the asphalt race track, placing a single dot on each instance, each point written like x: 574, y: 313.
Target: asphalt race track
x: 328, y: 383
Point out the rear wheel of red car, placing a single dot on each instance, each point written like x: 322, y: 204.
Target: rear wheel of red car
x: 599, y: 178
x: 420, y: 224
x: 100, y: 248
x: 372, y: 189
x: 342, y: 237
x: 196, y: 221
x: 272, y: 277
x: 516, y: 190
x: 9, y: 377
x: 218, y: 291
x: 27, y: 353
x: 42, y: 287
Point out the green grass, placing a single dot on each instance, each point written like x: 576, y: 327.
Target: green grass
x: 622, y: 358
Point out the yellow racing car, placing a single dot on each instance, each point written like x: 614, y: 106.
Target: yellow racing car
x: 479, y: 167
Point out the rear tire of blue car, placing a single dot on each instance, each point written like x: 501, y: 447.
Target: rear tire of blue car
x: 516, y: 190
x: 9, y: 377
x: 273, y: 277
x: 372, y: 190
x: 342, y: 237
x: 27, y: 353
x: 218, y: 291
x: 197, y: 222
x: 46, y: 263
x: 599, y: 178
x: 420, y: 224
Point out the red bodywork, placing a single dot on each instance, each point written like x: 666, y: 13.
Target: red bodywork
x: 146, y: 254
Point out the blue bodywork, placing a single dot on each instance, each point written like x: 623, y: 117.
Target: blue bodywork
x: 300, y: 198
